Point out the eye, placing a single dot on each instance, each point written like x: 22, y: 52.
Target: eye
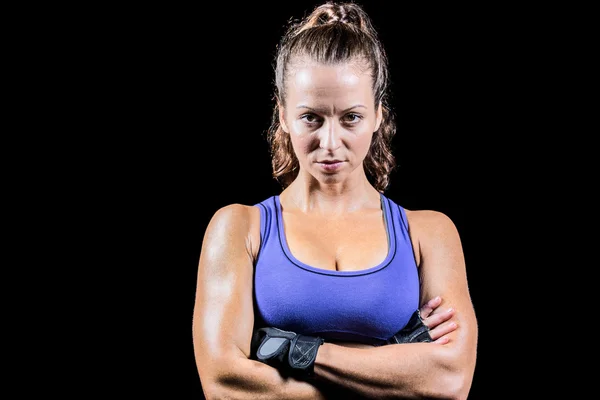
x: 309, y: 118
x: 352, y: 118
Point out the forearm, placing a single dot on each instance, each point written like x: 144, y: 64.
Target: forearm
x: 249, y: 379
x: 393, y: 371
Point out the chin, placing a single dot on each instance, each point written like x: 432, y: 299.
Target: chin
x: 329, y: 178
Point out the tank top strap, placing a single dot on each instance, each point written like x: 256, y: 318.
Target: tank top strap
x: 400, y: 221
x: 267, y: 220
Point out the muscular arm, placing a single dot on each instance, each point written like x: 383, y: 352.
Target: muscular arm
x: 223, y: 316
x: 417, y: 370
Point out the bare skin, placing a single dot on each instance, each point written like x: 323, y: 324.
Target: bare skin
x: 416, y: 369
x: 224, y: 316
x: 333, y: 220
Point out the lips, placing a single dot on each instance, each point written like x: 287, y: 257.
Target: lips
x: 330, y: 166
x: 329, y: 161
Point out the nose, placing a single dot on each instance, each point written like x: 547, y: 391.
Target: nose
x: 329, y: 137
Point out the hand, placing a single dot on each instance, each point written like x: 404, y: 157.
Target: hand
x: 425, y: 326
x: 437, y: 324
x: 287, y: 351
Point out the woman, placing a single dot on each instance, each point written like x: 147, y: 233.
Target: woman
x: 309, y: 291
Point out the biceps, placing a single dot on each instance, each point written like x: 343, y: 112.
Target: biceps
x: 446, y: 277
x: 450, y: 285
x: 223, y: 313
x: 442, y: 269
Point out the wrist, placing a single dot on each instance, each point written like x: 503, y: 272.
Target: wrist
x: 303, y: 353
x: 322, y: 357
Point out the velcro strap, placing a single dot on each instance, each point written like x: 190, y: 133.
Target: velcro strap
x: 303, y: 353
x: 414, y: 331
x: 273, y: 342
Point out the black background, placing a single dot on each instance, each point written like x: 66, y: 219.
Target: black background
x: 195, y: 85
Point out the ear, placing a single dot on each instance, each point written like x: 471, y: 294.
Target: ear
x: 379, y: 116
x: 281, y: 118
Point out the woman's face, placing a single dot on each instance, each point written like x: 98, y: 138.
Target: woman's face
x: 330, y: 115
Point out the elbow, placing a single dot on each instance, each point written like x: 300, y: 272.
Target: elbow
x: 211, y: 391
x: 221, y: 391
x: 218, y: 387
x: 215, y: 380
x: 451, y: 386
x: 456, y: 369
x: 237, y: 378
x: 461, y: 386
x: 452, y: 379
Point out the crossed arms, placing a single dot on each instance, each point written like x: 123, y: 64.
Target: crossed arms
x: 224, y: 321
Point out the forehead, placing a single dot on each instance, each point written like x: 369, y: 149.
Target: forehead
x: 310, y: 81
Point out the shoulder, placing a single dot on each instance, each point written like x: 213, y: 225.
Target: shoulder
x: 432, y: 229
x: 234, y: 213
x: 430, y: 221
x: 235, y: 222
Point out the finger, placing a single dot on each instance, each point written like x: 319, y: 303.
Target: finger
x: 434, y: 320
x: 442, y: 340
x: 442, y: 330
x: 431, y: 305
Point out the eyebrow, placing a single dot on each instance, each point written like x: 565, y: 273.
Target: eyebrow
x: 324, y: 111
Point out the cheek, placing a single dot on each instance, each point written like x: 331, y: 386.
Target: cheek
x: 301, y: 143
x: 363, y: 142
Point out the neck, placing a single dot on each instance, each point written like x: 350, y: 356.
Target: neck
x: 332, y: 199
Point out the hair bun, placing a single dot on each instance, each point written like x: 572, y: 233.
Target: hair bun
x: 331, y: 12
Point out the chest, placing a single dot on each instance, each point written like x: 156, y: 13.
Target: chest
x: 350, y: 243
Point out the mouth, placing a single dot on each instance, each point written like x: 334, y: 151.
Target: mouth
x: 330, y: 165
x: 329, y: 161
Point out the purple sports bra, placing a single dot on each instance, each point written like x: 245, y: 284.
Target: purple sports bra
x: 365, y: 306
